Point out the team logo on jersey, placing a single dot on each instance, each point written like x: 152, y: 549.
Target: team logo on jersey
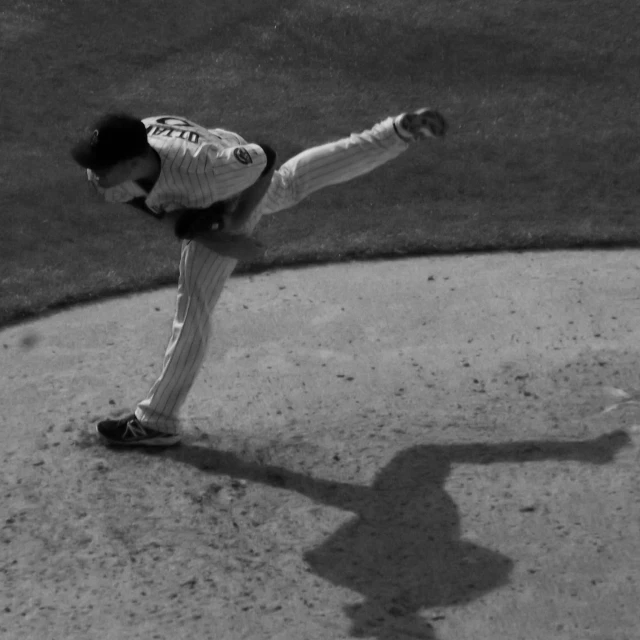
x: 242, y: 156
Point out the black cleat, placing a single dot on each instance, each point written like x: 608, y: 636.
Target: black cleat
x: 423, y: 123
x: 130, y: 432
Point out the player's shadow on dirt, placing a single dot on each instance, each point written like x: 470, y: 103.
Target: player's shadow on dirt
x: 403, y: 551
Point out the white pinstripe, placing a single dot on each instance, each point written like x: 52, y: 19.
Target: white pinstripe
x: 203, y: 273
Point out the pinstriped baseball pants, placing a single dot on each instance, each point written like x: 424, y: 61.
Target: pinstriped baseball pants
x: 203, y: 273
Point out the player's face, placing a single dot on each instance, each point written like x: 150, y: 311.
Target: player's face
x: 116, y: 174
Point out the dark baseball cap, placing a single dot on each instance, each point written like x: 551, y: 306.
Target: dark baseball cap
x: 113, y: 138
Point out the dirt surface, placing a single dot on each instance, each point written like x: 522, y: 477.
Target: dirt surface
x: 424, y: 448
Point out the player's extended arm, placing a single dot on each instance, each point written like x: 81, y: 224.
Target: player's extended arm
x: 227, y: 215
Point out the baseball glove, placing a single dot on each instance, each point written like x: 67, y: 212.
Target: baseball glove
x: 193, y: 222
x: 232, y: 246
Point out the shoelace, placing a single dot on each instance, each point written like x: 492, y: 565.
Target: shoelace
x: 134, y: 430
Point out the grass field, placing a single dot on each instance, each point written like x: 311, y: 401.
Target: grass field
x: 541, y: 95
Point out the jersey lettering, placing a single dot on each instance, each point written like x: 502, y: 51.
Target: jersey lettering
x: 170, y: 132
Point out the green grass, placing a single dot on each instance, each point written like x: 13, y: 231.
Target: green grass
x: 544, y: 150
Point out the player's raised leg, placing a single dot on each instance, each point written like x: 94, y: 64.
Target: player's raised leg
x: 348, y: 158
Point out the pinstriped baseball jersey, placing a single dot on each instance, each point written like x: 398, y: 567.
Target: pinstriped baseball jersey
x: 198, y: 166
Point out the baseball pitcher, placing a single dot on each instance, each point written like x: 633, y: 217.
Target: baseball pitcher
x: 213, y: 187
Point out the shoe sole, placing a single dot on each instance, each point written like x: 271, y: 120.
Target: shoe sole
x: 435, y: 125
x: 169, y: 441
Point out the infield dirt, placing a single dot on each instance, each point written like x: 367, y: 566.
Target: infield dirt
x: 426, y: 448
